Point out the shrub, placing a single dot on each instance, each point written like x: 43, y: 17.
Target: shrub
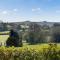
x: 13, y: 53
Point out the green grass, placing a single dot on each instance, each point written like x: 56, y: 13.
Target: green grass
x: 3, y: 38
x: 4, y: 32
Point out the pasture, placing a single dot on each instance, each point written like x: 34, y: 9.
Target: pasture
x: 3, y: 39
x: 4, y: 33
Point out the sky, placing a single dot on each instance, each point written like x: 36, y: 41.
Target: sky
x: 30, y: 10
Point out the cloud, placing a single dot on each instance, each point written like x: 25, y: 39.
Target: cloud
x: 49, y: 18
x: 36, y: 9
x: 15, y: 10
x: 4, y: 12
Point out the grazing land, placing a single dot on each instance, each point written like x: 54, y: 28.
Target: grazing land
x: 3, y: 38
x: 41, y: 51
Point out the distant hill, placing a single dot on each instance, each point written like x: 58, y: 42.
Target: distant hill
x: 39, y: 23
x: 14, y: 25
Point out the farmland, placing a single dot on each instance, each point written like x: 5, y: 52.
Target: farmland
x: 41, y: 51
x: 3, y: 38
x: 4, y: 33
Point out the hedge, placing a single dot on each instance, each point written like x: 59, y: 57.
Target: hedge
x: 52, y: 52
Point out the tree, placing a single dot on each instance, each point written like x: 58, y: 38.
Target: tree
x: 34, y: 34
x: 5, y: 27
x: 13, y: 39
x: 56, y: 32
x: 56, y: 38
x: 18, y: 27
x: 31, y: 38
x: 56, y: 24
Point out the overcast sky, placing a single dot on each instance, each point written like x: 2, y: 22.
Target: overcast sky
x: 30, y: 10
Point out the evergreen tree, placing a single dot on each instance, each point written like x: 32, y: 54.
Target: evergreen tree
x: 13, y: 39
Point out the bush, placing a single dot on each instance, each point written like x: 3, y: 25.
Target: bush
x: 12, y: 53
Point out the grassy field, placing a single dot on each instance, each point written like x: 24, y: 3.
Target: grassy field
x: 3, y: 38
x: 42, y: 51
x: 5, y: 32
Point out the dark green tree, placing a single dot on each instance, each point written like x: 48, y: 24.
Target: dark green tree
x: 5, y: 27
x: 34, y: 34
x: 14, y: 39
x: 31, y: 38
x: 18, y: 27
x: 56, y: 32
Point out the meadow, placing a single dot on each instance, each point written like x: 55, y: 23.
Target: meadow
x: 3, y: 36
x: 3, y: 39
x: 42, y: 51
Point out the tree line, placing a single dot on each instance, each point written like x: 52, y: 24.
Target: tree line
x: 35, y: 35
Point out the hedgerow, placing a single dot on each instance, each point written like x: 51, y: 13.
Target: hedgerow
x: 52, y: 52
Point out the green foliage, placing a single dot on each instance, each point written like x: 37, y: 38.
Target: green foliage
x: 19, y: 27
x: 13, y: 39
x: 5, y: 27
x: 33, y: 38
x: 52, y: 52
